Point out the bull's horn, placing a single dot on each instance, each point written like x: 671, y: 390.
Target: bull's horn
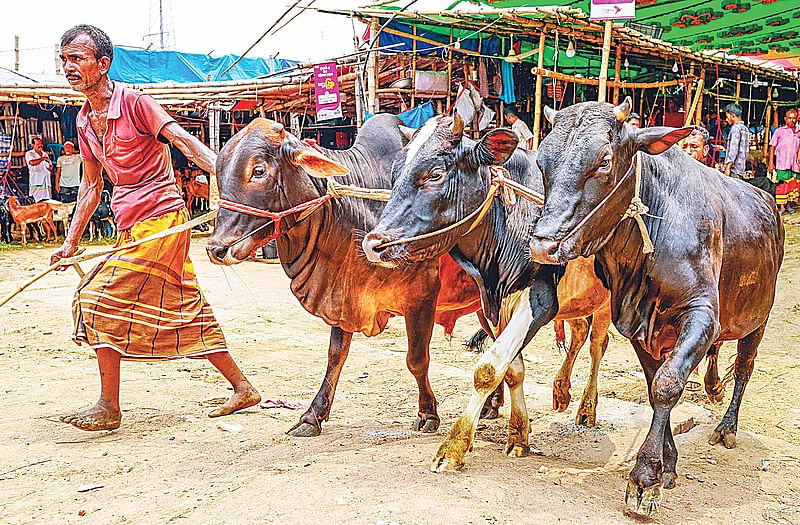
x: 457, y: 128
x: 623, y: 110
x: 274, y: 131
x: 550, y: 114
x: 407, y: 132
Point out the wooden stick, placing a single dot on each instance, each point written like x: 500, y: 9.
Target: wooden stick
x: 537, y: 118
x: 595, y: 82
x: 617, y: 73
x: 698, y: 118
x: 75, y: 259
x: 601, y: 92
x: 697, y: 98
x: 414, y: 69
x: 449, y: 67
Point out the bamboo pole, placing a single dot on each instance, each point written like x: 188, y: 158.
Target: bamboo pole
x: 617, y: 73
x: 372, y: 79
x: 414, y: 68
x: 16, y: 52
x: 449, y: 67
x: 594, y: 82
x: 601, y: 91
x: 690, y: 112
x: 537, y: 119
x: 738, y: 87
x: 765, y: 145
x: 698, y: 118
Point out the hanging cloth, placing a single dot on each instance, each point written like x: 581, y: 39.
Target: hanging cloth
x: 483, y: 78
x: 507, y: 71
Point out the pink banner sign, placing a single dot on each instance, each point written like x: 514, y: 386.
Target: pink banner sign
x: 326, y: 91
x: 612, y: 9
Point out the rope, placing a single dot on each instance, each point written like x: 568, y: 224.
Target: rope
x: 635, y: 209
x: 74, y: 260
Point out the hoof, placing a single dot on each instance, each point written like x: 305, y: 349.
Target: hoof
x: 442, y: 464
x: 723, y: 434
x: 716, y: 397
x: 561, y: 398
x: 425, y: 426
x: 669, y: 480
x: 515, y: 450
x: 643, y: 502
x: 585, y: 419
x: 303, y: 429
x: 490, y: 413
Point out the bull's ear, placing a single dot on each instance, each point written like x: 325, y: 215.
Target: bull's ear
x: 496, y: 147
x: 659, y: 139
x: 408, y: 132
x: 318, y: 165
x: 549, y: 114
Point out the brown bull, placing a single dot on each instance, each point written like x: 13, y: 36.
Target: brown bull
x: 265, y: 167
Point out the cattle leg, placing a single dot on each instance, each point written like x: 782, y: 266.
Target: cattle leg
x: 310, y: 423
x: 698, y: 329
x: 419, y: 328
x: 714, y: 387
x: 598, y: 343
x: 519, y: 427
x: 491, y: 407
x: 537, y: 307
x: 578, y: 332
x: 725, y: 432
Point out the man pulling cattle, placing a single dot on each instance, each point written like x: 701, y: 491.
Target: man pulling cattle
x: 142, y: 303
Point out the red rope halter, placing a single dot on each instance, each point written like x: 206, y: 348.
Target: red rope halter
x: 273, y: 215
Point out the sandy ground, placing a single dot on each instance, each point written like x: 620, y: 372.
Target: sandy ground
x: 169, y: 463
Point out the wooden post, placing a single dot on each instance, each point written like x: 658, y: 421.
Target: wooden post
x: 617, y: 72
x: 16, y: 52
x: 601, y: 90
x: 537, y: 109
x: 58, y: 62
x: 698, y: 117
x: 691, y: 111
x: 449, y: 68
x: 738, y: 86
x: 372, y: 68
x: 414, y: 68
x: 687, y: 96
x: 641, y: 104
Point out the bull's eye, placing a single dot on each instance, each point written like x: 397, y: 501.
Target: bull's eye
x: 606, y: 165
x: 435, y: 175
x: 259, y: 171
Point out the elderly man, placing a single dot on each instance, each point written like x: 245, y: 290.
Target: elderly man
x: 142, y: 303
x: 738, y: 142
x: 783, y: 152
x: 68, y: 173
x: 39, y: 166
x: 696, y: 145
x: 519, y: 127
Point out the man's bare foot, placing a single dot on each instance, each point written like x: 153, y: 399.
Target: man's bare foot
x: 98, y: 417
x: 246, y: 397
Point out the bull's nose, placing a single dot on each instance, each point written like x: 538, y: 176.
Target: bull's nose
x: 372, y: 246
x: 544, y: 251
x: 216, y: 253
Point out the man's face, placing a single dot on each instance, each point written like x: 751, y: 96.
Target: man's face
x: 37, y: 146
x: 82, y: 69
x: 69, y: 149
x: 635, y: 122
x: 730, y: 118
x: 791, y: 118
x: 511, y: 118
x: 695, y: 146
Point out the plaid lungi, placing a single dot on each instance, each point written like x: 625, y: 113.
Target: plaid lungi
x: 144, y: 302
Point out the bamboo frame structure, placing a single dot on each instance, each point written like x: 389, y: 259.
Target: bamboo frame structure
x: 537, y: 119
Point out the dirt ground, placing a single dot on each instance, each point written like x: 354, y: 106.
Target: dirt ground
x: 170, y: 463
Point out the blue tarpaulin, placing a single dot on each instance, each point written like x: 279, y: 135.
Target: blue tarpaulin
x: 138, y: 66
x: 416, y: 117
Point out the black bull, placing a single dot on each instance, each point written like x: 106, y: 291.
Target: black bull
x: 718, y: 248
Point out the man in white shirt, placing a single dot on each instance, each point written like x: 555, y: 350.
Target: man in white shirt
x: 39, y: 166
x: 519, y: 127
x: 68, y: 173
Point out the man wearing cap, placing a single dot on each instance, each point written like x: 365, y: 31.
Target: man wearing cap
x: 738, y: 142
x: 519, y: 127
x: 634, y: 120
x: 68, y: 173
